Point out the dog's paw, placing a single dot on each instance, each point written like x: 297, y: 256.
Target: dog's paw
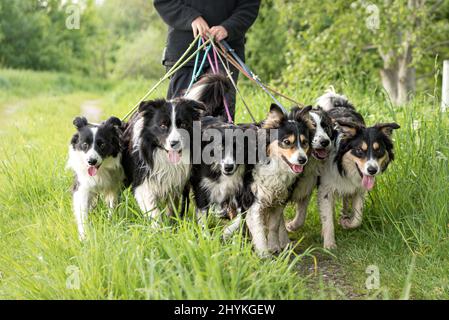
x: 330, y: 245
x: 275, y: 248
x: 291, y: 227
x: 347, y: 223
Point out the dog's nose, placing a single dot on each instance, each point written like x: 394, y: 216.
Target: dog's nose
x: 324, y: 143
x: 174, y: 144
x: 302, y: 160
x: 372, y: 170
x: 92, y: 161
x: 228, y: 167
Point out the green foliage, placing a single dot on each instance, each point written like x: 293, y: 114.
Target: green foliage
x: 265, y: 48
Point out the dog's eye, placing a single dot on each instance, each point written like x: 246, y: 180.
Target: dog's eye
x: 287, y: 142
x: 163, y: 126
x: 102, y: 145
x: 305, y: 142
x: 359, y: 152
x: 85, y: 146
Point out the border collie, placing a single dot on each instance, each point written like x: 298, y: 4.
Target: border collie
x: 287, y: 152
x: 322, y: 143
x: 219, y: 181
x: 361, y: 154
x: 211, y: 89
x: 95, y: 157
x: 158, y: 141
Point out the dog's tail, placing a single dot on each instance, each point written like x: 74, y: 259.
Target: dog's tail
x: 330, y: 99
x: 210, y: 90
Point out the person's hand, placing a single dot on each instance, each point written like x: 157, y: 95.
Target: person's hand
x: 219, y: 33
x: 200, y: 27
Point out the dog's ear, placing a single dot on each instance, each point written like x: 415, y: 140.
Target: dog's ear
x: 302, y: 114
x: 80, y: 122
x: 114, y: 121
x: 151, y: 105
x: 274, y: 117
x: 387, y: 128
x: 75, y: 139
x: 347, y: 129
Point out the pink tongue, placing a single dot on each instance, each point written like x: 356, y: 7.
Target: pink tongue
x: 321, y: 153
x: 92, y: 171
x: 297, y: 169
x: 174, y: 156
x: 368, y: 182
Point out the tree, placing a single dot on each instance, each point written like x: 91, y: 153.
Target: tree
x: 389, y: 39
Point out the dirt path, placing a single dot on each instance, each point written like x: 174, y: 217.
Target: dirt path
x: 91, y: 110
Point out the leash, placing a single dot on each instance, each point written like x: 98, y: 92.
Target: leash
x: 178, y: 65
x: 229, y: 75
x: 235, y: 60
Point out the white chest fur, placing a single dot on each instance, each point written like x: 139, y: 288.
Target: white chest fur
x: 225, y: 187
x: 166, y: 178
x: 272, y: 182
x: 108, y: 178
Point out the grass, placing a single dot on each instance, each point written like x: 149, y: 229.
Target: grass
x: 405, y: 231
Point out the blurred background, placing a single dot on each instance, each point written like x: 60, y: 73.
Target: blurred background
x: 395, y: 45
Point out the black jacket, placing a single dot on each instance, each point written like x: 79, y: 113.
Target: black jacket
x: 236, y: 16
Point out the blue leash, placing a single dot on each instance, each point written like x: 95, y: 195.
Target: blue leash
x: 198, y: 70
x: 248, y: 70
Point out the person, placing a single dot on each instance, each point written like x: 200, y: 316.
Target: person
x: 223, y: 19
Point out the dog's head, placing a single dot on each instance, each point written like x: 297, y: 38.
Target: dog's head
x: 321, y: 132
x: 368, y: 150
x: 97, y: 142
x: 288, y: 137
x: 167, y: 125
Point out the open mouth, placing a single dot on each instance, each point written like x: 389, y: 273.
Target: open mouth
x: 174, y: 156
x: 92, y: 170
x: 320, y: 154
x: 368, y: 182
x: 296, y: 168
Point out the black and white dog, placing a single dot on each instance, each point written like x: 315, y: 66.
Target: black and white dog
x: 95, y: 157
x: 322, y: 143
x: 219, y: 181
x: 360, y: 155
x: 158, y: 141
x: 287, y: 151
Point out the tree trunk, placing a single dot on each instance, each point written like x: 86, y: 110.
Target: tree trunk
x: 398, y: 76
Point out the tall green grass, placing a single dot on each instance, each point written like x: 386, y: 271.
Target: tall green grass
x: 406, y: 216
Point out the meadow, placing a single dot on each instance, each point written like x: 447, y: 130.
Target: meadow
x: 405, y: 233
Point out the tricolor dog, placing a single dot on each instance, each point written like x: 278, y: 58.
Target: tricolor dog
x: 287, y: 153
x: 95, y: 157
x: 360, y: 155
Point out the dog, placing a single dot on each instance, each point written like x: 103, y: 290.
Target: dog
x: 95, y: 155
x: 322, y: 143
x: 361, y: 154
x: 158, y: 141
x: 287, y: 151
x: 219, y: 181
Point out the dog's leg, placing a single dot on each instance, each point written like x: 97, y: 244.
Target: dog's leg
x: 256, y: 226
x: 301, y: 212
x: 81, y: 203
x: 111, y: 200
x: 233, y: 226
x: 284, y: 240
x: 148, y: 204
x: 274, y: 222
x: 346, y: 208
x: 356, y: 220
x: 201, y: 216
x: 326, y: 207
